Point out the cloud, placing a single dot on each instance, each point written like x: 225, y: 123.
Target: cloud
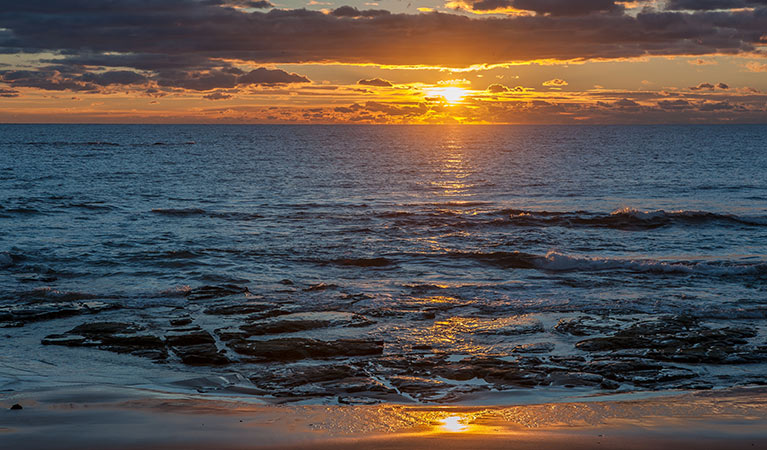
x: 702, y: 86
x: 703, y: 62
x: 712, y: 4
x: 756, y: 67
x: 556, y: 82
x: 625, y: 103
x: 8, y: 93
x: 56, y: 78
x: 79, y: 79
x: 672, y: 105
x: 709, y: 87
x: 566, y: 7
x: 256, y: 4
x: 218, y: 95
x: 375, y: 82
x: 545, y: 7
x: 717, y: 106
x: 348, y: 11
x: 500, y: 88
x: 172, y: 32
x: 271, y: 77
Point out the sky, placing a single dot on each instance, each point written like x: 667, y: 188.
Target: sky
x: 384, y: 61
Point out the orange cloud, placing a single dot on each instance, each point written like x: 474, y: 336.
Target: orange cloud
x: 556, y: 82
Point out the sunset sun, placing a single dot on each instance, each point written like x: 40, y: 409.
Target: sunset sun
x: 451, y: 95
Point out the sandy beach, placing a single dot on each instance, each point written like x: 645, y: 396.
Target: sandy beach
x: 122, y: 418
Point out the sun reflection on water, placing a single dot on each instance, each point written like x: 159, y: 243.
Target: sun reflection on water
x: 454, y: 424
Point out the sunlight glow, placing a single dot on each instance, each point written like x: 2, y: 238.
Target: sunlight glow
x: 453, y: 424
x: 452, y: 95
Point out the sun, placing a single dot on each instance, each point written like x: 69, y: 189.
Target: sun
x: 452, y: 95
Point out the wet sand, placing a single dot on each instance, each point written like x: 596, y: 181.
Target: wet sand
x: 123, y: 418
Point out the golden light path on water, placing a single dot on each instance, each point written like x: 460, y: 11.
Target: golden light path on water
x: 454, y: 424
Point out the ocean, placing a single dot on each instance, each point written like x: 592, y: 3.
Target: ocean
x: 364, y: 264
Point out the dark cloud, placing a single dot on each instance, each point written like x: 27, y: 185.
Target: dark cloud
x: 497, y: 88
x: 8, y: 93
x: 566, y: 7
x: 270, y: 77
x: 218, y: 95
x: 700, y: 5
x: 702, y: 86
x: 674, y: 104
x: 255, y: 4
x: 193, y: 35
x: 549, y: 7
x: 198, y: 81
x: 78, y: 78
x: 717, y: 106
x: 626, y: 104
x: 375, y: 82
x: 52, y: 80
x: 120, y: 77
x: 709, y: 87
x: 64, y: 78
x: 349, y: 11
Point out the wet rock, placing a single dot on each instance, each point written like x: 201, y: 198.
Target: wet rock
x: 238, y: 309
x: 298, y: 322
x: 582, y: 326
x: 322, y: 379
x: 114, y: 336
x: 287, y: 349
x: 522, y: 327
x: 181, y: 322
x: 284, y: 326
x: 492, y: 370
x: 195, y: 347
x: 418, y: 387
x: 680, y: 339
x: 16, y: 316
x: 640, y: 372
x: 320, y: 287
x: 217, y: 291
x: 347, y: 400
x: 574, y: 379
x: 536, y: 347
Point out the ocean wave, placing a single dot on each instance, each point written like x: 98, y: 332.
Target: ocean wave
x: 6, y: 260
x: 363, y: 262
x: 629, y: 219
x: 558, y: 262
x: 190, y: 212
x: 182, y: 212
x: 68, y: 143
x: 93, y: 206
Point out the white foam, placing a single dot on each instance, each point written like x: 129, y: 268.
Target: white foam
x: 638, y: 214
